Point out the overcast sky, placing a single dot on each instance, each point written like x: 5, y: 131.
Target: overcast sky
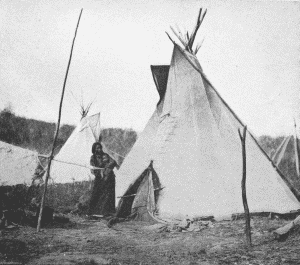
x: 250, y: 54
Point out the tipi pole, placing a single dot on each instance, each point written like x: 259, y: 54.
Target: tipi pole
x: 57, y: 130
x: 297, y: 151
x: 244, y: 195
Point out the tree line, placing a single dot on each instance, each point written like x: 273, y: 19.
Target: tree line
x: 39, y: 135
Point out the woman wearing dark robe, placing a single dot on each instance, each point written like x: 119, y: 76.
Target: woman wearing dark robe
x: 108, y: 201
x: 103, y: 194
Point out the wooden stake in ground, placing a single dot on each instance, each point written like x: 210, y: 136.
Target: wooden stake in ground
x: 57, y: 130
x: 245, y: 203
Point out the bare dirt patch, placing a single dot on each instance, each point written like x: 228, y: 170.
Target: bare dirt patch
x: 92, y: 242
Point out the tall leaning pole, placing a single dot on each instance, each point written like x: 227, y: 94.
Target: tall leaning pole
x: 57, y: 130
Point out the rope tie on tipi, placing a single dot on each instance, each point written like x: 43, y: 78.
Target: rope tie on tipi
x: 115, y: 153
x: 75, y: 164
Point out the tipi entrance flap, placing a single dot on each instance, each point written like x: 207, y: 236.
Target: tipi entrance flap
x: 144, y: 202
x: 140, y: 199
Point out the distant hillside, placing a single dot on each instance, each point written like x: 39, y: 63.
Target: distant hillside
x: 31, y: 134
x: 38, y: 135
x: 119, y: 140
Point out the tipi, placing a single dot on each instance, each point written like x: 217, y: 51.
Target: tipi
x: 72, y: 163
x: 188, y: 159
x: 286, y: 158
x: 17, y: 165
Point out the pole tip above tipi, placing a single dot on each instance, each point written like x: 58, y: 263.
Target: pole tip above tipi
x: 187, y: 40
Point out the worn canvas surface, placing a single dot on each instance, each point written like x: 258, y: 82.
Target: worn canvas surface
x: 17, y: 165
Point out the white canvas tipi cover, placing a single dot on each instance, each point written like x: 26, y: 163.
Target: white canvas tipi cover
x: 192, y: 139
x: 17, y: 165
x: 72, y: 163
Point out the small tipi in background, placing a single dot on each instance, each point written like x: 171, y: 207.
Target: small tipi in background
x: 286, y: 158
x: 188, y: 159
x: 72, y: 163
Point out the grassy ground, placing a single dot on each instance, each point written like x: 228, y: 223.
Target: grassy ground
x: 92, y: 242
